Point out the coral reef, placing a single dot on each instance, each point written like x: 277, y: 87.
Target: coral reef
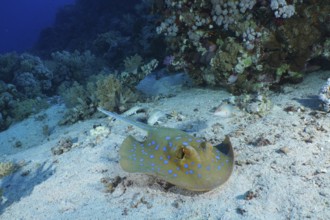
x: 8, y: 98
x: 242, y: 44
x: 8, y: 65
x: 27, y: 72
x: 75, y: 66
x: 80, y: 66
x: 24, y: 81
x: 113, y: 91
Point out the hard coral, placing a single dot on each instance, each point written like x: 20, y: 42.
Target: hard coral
x: 252, y: 39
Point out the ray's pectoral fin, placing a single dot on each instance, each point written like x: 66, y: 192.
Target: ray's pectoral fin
x: 226, y: 147
x: 127, y: 154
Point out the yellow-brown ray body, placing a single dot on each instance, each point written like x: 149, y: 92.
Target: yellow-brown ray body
x: 176, y: 157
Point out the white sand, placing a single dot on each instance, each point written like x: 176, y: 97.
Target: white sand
x: 294, y: 185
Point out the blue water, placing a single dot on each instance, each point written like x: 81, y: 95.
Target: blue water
x: 22, y: 20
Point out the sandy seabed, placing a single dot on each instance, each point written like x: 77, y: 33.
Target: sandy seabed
x: 282, y: 163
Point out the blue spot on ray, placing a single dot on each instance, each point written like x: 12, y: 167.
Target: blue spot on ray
x: 199, y: 165
x: 185, y: 165
x: 167, y: 138
x: 175, y: 175
x: 170, y: 171
x: 165, y: 161
x: 151, y: 156
x: 164, y: 148
x: 185, y: 144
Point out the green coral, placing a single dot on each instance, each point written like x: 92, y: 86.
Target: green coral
x: 284, y: 72
x: 80, y: 100
x: 133, y: 63
x: 6, y: 168
x: 113, y: 95
x: 107, y: 89
x: 74, y: 94
x: 244, y: 61
x: 104, y: 89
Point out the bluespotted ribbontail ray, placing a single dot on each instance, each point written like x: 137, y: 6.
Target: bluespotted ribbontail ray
x: 176, y: 157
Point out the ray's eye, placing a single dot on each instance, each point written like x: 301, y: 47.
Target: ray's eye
x: 206, y: 146
x: 203, y: 145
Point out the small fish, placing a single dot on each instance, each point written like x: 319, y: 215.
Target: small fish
x: 176, y: 157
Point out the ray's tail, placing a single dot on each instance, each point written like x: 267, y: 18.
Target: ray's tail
x: 127, y: 120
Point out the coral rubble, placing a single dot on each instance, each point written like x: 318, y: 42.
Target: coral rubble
x: 324, y: 96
